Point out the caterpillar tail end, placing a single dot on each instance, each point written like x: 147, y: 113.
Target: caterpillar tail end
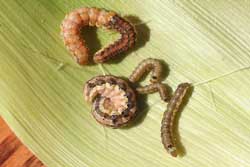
x: 83, y: 60
x: 173, y: 152
x: 98, y: 59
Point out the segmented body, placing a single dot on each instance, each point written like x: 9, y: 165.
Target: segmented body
x: 79, y: 18
x: 169, y: 116
x: 147, y: 65
x: 152, y: 88
x: 114, y: 102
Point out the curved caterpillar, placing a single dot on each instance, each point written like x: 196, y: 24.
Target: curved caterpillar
x: 79, y: 18
x: 147, y: 65
x: 152, y: 88
x: 114, y: 102
x: 169, y: 116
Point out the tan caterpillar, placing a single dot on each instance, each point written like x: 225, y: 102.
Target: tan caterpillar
x: 147, y: 65
x: 79, y: 18
x: 169, y: 116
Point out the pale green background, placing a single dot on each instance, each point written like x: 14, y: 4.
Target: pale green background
x: 203, y: 42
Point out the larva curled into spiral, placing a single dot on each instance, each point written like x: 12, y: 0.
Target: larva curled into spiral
x: 169, y: 117
x: 114, y: 102
x: 155, y: 87
x: 147, y: 65
x: 79, y: 18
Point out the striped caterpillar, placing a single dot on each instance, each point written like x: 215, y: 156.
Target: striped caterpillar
x: 114, y: 102
x: 173, y: 107
x: 79, y: 18
x: 152, y: 88
x: 147, y: 65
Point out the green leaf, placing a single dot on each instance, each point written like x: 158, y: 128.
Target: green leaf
x: 204, y: 42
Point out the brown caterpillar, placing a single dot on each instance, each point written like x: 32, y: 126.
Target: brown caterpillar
x: 79, y: 18
x: 169, y: 116
x: 146, y: 66
x: 161, y: 88
x: 114, y: 102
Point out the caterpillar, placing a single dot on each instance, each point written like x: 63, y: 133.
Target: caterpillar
x: 73, y: 23
x: 113, y: 101
x: 147, y: 65
x: 161, y: 88
x: 169, y: 116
